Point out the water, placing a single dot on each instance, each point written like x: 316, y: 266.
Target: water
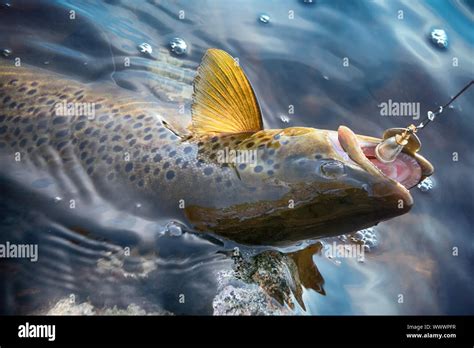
x: 116, y: 262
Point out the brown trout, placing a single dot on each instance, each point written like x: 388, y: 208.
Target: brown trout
x: 293, y: 184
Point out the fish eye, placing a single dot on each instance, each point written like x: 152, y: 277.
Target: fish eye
x: 332, y: 169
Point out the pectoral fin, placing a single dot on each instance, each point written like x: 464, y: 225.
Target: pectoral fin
x: 223, y: 99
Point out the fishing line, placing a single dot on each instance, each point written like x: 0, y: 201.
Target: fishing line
x: 395, y: 139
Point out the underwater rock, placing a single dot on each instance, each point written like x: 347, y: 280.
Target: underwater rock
x: 280, y: 276
x: 67, y: 306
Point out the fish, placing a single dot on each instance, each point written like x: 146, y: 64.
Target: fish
x: 216, y: 168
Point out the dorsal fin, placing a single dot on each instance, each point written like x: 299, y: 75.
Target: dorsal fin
x: 223, y: 99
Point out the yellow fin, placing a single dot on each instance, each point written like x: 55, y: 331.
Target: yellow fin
x: 223, y: 99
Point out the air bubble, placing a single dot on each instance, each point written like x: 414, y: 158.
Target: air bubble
x: 439, y: 38
x: 6, y: 52
x: 174, y: 229
x: 145, y: 48
x: 264, y: 18
x: 426, y: 185
x: 178, y: 46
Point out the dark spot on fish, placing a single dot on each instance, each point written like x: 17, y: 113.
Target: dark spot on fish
x: 242, y: 166
x: 157, y: 158
x: 3, y: 129
x: 166, y: 165
x: 140, y: 117
x: 271, y: 152
x: 270, y: 172
x: 2, y: 118
x: 276, y: 166
x: 101, y: 148
x: 50, y: 102
x: 161, y: 130
x: 128, y: 167
x: 61, y: 145
x: 103, y: 118
x: 6, y: 99
x: 140, y: 183
x: 32, y: 91
x: 277, y: 136
x: 110, y: 124
x: 132, y: 177
x: 214, y: 139
x: 41, y: 141
x: 188, y: 149
x: 117, y: 148
x: 146, y: 169
x: 83, y: 155
x: 215, y: 147
x: 208, y: 171
x: 162, y: 136
x: 90, y: 160
x: 88, y: 130
x: 170, y: 174
x: 147, y: 129
x: 318, y: 156
x: 103, y: 138
x: 109, y: 160
x: 127, y: 117
x: 62, y: 133
x: 23, y: 142
x: 29, y: 128
x: 219, y: 179
x: 34, y: 84
x: 116, y: 137
x: 90, y: 170
x: 258, y: 169
x: 148, y: 137
x: 172, y: 153
x: 17, y: 132
x: 83, y: 144
x: 129, y: 136
x: 80, y: 125
x: 98, y: 106
x: 110, y: 177
x: 249, y: 145
x: 117, y: 128
x: 12, y: 105
x: 132, y: 142
x: 138, y: 125
x: 156, y: 171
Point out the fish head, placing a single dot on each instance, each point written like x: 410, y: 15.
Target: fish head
x: 335, y: 183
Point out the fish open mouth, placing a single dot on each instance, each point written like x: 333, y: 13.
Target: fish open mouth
x: 406, y: 169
